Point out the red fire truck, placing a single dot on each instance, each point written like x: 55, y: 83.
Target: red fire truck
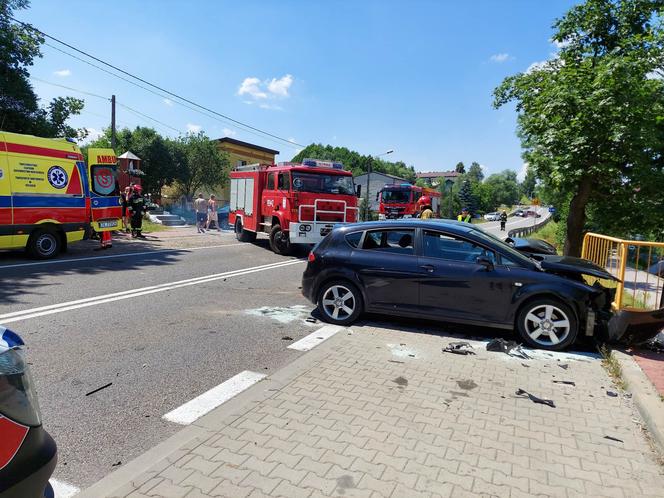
x: 400, y: 201
x: 295, y: 203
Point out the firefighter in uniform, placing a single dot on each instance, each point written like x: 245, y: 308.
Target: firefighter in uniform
x: 464, y: 216
x: 137, y: 208
x: 424, y: 207
x: 503, y: 220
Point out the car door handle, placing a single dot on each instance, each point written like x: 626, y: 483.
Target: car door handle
x: 429, y: 268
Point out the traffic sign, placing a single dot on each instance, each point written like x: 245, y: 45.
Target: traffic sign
x: 552, y: 209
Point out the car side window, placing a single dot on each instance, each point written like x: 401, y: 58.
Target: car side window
x: 505, y: 261
x: 270, y: 181
x: 394, y: 241
x: 282, y: 182
x: 445, y: 246
x: 354, y: 238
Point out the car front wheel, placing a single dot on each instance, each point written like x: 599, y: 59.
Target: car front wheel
x: 340, y: 303
x: 547, y: 324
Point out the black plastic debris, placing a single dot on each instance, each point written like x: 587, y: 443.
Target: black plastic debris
x: 566, y: 382
x: 99, y: 389
x: 311, y: 319
x: 462, y: 348
x: 508, y: 347
x: 524, y: 365
x: 612, y: 394
x: 286, y: 338
x: 611, y: 438
x: 535, y: 399
x: 564, y: 366
x: 655, y: 344
x: 117, y: 463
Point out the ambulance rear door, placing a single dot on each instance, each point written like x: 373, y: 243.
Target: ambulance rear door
x: 6, y: 217
x: 105, y: 201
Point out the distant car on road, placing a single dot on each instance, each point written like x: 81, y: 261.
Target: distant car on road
x: 27, y: 453
x: 449, y: 271
x: 657, y: 268
x: 495, y: 216
x: 532, y: 213
x: 519, y: 212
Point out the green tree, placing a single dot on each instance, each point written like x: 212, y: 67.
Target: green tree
x: 475, y: 173
x: 501, y: 188
x: 19, y: 106
x: 199, y: 163
x: 591, y: 120
x: 466, y: 197
x: 527, y: 186
x: 460, y: 168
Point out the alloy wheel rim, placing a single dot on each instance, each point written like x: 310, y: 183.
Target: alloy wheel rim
x: 45, y: 245
x: 547, y: 325
x: 338, y: 302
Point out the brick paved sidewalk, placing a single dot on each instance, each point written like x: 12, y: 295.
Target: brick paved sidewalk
x: 385, y: 413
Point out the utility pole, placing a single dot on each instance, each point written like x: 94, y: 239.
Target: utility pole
x: 113, y: 122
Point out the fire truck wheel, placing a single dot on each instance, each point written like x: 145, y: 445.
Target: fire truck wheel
x: 44, y: 244
x: 339, y: 302
x: 279, y: 241
x: 243, y: 235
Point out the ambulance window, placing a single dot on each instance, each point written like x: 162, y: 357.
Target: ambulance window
x: 283, y: 182
x: 270, y: 181
x: 103, y: 180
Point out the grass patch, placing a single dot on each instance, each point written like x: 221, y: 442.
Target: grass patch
x: 612, y: 366
x: 148, y: 226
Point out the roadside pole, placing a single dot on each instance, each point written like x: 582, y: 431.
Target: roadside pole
x: 113, y: 122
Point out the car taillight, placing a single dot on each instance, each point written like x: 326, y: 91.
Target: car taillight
x: 312, y: 257
x: 13, y: 435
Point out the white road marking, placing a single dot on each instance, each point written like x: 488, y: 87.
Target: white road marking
x: 111, y: 256
x: 63, y: 489
x: 209, y: 400
x: 314, y: 339
x: 117, y: 296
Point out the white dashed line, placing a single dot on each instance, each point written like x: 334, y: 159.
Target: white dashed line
x: 62, y: 489
x: 312, y: 340
x: 206, y: 402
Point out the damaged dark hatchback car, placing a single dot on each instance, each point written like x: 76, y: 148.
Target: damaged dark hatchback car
x: 456, y: 272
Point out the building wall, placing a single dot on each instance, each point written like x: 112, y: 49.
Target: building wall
x: 378, y: 181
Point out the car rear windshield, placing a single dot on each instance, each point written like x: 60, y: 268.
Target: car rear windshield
x: 104, y: 181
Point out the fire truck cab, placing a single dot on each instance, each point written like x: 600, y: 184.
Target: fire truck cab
x: 400, y: 201
x: 295, y: 203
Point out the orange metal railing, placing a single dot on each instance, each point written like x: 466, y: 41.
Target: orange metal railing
x: 638, y: 264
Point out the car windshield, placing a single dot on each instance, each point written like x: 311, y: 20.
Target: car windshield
x: 321, y: 183
x: 398, y: 196
x: 514, y: 254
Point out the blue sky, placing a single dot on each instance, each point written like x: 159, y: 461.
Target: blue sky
x: 416, y: 77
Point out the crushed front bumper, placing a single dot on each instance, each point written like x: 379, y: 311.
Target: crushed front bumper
x: 635, y: 326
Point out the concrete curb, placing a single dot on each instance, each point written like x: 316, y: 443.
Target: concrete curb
x: 199, y: 431
x: 645, y: 397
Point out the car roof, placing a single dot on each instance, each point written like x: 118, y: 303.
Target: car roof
x: 436, y: 224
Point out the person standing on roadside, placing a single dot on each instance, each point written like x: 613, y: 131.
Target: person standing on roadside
x: 503, y: 220
x: 212, y: 213
x: 201, y: 207
x: 125, y: 196
x: 137, y: 208
x: 424, y: 207
x: 464, y: 216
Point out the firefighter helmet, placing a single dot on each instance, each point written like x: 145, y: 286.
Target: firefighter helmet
x: 425, y: 200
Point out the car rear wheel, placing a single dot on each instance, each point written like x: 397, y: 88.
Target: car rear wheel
x: 44, y: 244
x: 279, y: 241
x: 547, y: 324
x: 243, y: 235
x: 340, y: 302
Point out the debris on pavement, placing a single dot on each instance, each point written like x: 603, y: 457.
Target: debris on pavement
x: 400, y: 352
x: 611, y: 438
x: 286, y: 338
x: 459, y: 348
x: 311, y: 319
x: 535, y: 399
x: 566, y: 382
x: 655, y: 344
x: 468, y: 384
x: 508, y: 347
x: 284, y: 314
x: 119, y: 462
x: 99, y: 389
x: 612, y: 394
x: 564, y: 366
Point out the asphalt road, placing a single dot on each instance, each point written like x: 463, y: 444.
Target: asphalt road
x: 515, y: 222
x: 159, y: 349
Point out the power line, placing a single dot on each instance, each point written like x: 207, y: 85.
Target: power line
x: 69, y: 88
x: 139, y: 113
x: 153, y: 85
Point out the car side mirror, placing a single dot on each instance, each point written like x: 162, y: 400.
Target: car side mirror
x: 485, y: 262
x: 358, y: 191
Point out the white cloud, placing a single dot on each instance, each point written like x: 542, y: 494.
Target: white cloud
x: 561, y: 44
x: 63, y: 73
x: 168, y: 102
x: 228, y: 132
x: 93, y: 134
x: 280, y: 86
x: 255, y: 90
x: 251, y: 87
x: 500, y: 58
x: 537, y: 66
x: 291, y: 140
x: 521, y: 175
x: 193, y: 128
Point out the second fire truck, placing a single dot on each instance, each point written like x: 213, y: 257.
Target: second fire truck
x: 400, y: 201
x: 295, y: 203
